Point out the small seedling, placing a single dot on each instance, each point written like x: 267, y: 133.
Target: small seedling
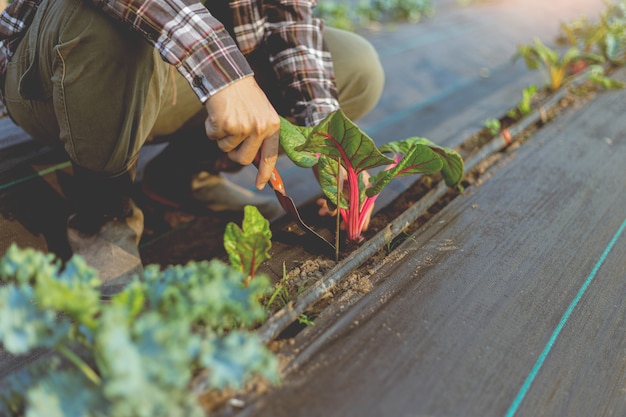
x: 493, y: 126
x: 248, y: 246
x: 524, y: 105
x: 597, y: 76
x: 306, y: 320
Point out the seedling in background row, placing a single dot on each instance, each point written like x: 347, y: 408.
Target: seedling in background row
x: 557, y: 66
x: 493, y: 126
x: 337, y: 142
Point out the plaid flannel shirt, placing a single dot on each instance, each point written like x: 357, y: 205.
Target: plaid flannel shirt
x: 190, y: 38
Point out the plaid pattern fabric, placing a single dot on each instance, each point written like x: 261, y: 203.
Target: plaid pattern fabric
x: 190, y: 38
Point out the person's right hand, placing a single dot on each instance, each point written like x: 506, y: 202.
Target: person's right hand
x: 243, y: 122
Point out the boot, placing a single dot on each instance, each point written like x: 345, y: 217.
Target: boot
x: 106, y: 228
x: 186, y: 176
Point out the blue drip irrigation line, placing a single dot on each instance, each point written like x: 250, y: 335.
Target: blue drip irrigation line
x: 36, y: 175
x: 533, y: 373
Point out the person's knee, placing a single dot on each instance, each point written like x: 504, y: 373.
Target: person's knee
x: 359, y: 73
x: 101, y: 86
x: 368, y: 79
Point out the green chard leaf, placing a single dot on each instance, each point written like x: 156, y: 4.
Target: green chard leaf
x: 292, y: 137
x: 248, y: 246
x: 452, y: 167
x: 339, y: 138
x: 420, y: 159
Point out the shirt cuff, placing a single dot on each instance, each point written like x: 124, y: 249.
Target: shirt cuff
x: 214, y: 64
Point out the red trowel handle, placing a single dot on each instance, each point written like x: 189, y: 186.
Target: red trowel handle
x: 276, y: 182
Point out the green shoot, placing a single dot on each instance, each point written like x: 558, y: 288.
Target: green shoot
x: 248, y: 246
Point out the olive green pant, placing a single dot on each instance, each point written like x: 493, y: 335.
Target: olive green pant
x: 82, y: 80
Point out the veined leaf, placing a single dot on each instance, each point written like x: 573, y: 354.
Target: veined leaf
x: 452, y: 168
x: 327, y: 172
x: 453, y: 165
x: 420, y: 159
x: 248, y: 246
x: 337, y: 137
x: 291, y: 138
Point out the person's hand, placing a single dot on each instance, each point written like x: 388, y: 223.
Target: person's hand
x: 324, y: 210
x: 243, y: 122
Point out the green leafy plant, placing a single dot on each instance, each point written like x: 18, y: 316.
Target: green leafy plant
x: 337, y: 145
x: 306, y: 320
x: 558, y: 66
x: 525, y: 105
x: 136, y: 355
x: 285, y: 291
x: 607, y: 36
x: 248, y: 247
x: 597, y: 76
x: 493, y: 126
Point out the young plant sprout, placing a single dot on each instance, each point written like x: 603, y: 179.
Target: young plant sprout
x: 340, y: 149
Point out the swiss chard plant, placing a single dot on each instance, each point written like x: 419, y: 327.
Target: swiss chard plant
x: 142, y: 353
x: 248, y: 246
x: 340, y: 150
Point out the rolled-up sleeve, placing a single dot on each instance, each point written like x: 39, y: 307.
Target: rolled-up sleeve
x: 186, y: 36
x: 300, y: 58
